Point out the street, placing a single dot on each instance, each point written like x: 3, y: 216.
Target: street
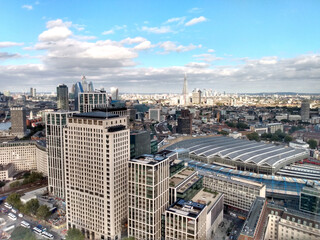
x: 33, y: 222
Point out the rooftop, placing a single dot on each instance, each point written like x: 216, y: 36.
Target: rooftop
x: 245, y: 151
x: 250, y: 225
x: 152, y: 159
x: 206, y: 197
x: 181, y: 176
x: 98, y: 114
x: 187, y: 208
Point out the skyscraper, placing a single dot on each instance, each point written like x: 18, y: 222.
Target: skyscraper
x: 114, y: 93
x: 185, y: 122
x: 148, y: 194
x: 77, y: 89
x: 90, y: 87
x: 196, y: 96
x: 84, y: 84
x: 305, y: 110
x: 185, y: 90
x: 55, y: 122
x: 18, y: 121
x: 33, y: 92
x: 96, y: 166
x: 62, y: 97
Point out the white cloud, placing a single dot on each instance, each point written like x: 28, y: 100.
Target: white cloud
x: 110, y: 63
x: 133, y: 40
x: 55, y: 34
x: 169, y: 46
x: 143, y: 46
x: 198, y: 65
x: 114, y: 29
x: 111, y: 31
x: 207, y: 57
x: 211, y: 50
x: 195, y: 10
x: 196, y: 20
x: 10, y: 44
x: 79, y: 27
x: 5, y: 55
x: 58, y: 23
x: 157, y: 30
x: 28, y: 7
x: 179, y: 20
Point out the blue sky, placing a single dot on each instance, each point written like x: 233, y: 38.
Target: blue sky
x: 233, y: 46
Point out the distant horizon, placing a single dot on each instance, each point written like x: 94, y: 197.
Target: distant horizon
x: 241, y: 93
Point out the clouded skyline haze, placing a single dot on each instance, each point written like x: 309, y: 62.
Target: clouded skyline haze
x: 147, y: 46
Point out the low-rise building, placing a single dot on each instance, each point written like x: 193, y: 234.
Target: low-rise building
x: 273, y: 127
x: 284, y: 223
x: 25, y: 155
x: 253, y: 226
x: 6, y: 172
x: 238, y: 192
x: 186, y: 220
x: 310, y: 199
x: 214, y: 202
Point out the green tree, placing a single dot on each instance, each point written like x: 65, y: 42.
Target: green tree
x: 275, y: 138
x: 14, y: 200
x: 242, y: 126
x: 21, y: 233
x: 253, y: 136
x: 2, y: 183
x: 43, y: 212
x: 231, y: 124
x: 288, y: 139
x: 312, y: 143
x: 224, y: 133
x: 32, y: 206
x: 15, y: 184
x: 74, y: 234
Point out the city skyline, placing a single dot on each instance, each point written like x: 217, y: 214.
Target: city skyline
x: 148, y: 47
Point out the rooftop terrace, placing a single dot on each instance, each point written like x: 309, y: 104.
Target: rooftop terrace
x: 187, y: 208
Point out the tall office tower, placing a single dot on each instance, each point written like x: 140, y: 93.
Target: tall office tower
x: 84, y: 84
x: 77, y: 90
x: 88, y: 101
x: 90, y: 87
x: 196, y: 96
x: 114, y: 93
x: 185, y: 122
x: 97, y: 150
x: 185, y: 90
x: 55, y: 122
x: 154, y: 114
x: 33, y: 92
x: 62, y: 97
x: 18, y: 121
x: 139, y: 143
x: 305, y: 110
x: 148, y: 195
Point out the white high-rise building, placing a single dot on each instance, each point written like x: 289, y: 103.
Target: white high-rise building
x: 148, y: 194
x: 114, y: 93
x: 87, y: 101
x: 55, y: 122
x: 96, y: 151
